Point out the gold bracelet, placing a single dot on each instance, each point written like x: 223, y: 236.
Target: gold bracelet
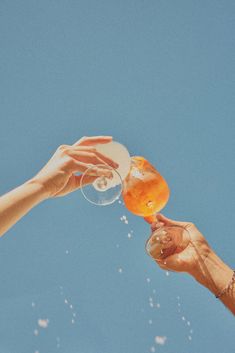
x: 227, y: 287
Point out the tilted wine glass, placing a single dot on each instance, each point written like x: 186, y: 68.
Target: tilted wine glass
x: 146, y: 192
x: 105, y: 190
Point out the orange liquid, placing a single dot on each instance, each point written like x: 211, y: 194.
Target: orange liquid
x: 145, y: 191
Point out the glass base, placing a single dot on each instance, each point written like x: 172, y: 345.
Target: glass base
x: 104, y: 190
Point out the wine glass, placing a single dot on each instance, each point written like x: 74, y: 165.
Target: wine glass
x: 106, y: 190
x: 146, y: 192
x: 166, y: 241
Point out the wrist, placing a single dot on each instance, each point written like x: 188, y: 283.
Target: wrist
x: 37, y: 187
x: 213, y: 273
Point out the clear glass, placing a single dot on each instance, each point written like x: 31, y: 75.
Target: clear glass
x: 106, y: 190
x: 167, y: 240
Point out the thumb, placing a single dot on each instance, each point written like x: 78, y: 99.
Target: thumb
x: 169, y: 222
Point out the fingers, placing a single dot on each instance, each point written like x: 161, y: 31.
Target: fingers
x: 94, y: 140
x: 156, y: 225
x: 162, y: 265
x: 167, y: 221
x: 93, y: 169
x: 91, y: 156
x: 171, y: 263
x: 106, y: 159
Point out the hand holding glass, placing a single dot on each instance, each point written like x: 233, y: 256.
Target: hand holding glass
x: 145, y: 192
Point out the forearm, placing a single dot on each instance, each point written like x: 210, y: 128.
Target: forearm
x: 16, y: 203
x: 216, y: 275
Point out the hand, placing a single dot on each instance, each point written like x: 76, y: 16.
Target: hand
x: 197, y: 259
x: 58, y: 176
x: 191, y: 257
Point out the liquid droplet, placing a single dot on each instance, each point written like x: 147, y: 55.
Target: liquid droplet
x: 160, y: 340
x: 43, y: 323
x: 150, y: 204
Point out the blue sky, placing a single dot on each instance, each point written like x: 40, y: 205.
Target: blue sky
x: 159, y: 77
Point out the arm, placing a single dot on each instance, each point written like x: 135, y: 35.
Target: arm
x: 57, y: 178
x: 216, y: 275
x: 198, y: 260
x: 16, y: 203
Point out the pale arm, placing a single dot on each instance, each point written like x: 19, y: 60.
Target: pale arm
x: 57, y: 178
x: 16, y: 203
x: 215, y: 275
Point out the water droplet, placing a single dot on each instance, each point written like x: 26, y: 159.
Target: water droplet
x: 66, y: 301
x: 36, y: 332
x: 43, y: 323
x: 158, y: 305
x: 160, y: 340
x: 150, y: 322
x: 66, y: 252
x: 167, y: 273
x: 183, y: 318
x: 152, y: 349
x: 71, y: 307
x: 190, y: 338
x: 33, y: 305
x: 129, y: 235
x: 120, y: 270
x: 188, y: 323
x: 73, y: 321
x: 148, y: 280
